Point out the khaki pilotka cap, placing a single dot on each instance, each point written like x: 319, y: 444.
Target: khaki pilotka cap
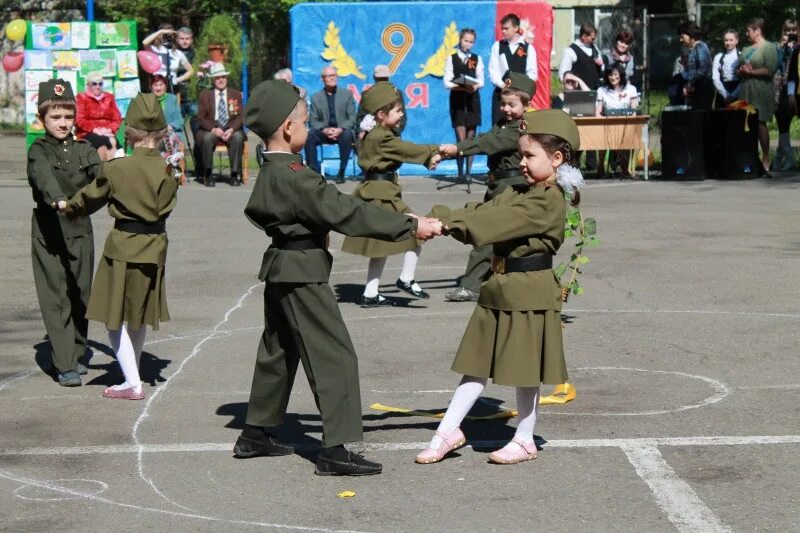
x: 55, y: 89
x: 551, y: 122
x: 379, y: 95
x: 520, y: 82
x: 268, y: 106
x: 145, y: 113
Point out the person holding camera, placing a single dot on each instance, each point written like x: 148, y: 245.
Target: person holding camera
x: 161, y: 42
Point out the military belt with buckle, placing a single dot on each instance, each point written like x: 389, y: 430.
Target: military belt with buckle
x: 385, y: 176
x: 529, y: 263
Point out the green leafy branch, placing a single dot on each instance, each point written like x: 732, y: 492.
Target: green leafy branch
x: 585, y: 231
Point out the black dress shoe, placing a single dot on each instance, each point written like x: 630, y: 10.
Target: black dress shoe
x: 409, y: 288
x: 210, y: 181
x: 235, y: 181
x: 265, y: 446
x: 338, y: 461
x: 340, y: 177
x: 375, y: 301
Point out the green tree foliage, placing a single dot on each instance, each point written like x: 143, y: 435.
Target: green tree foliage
x: 225, y: 31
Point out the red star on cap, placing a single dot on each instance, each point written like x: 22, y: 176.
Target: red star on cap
x: 58, y: 89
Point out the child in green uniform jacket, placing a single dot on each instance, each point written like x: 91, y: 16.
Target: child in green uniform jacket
x: 296, y: 208
x: 62, y: 250
x: 514, y: 335
x: 128, y: 293
x: 380, y: 154
x: 500, y: 144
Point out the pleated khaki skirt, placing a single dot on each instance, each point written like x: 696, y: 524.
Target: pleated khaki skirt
x: 393, y: 202
x: 128, y: 292
x: 514, y: 348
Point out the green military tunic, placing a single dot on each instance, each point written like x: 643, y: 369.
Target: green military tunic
x: 500, y: 144
x: 62, y: 250
x: 382, y: 150
x: 302, y: 321
x: 514, y: 334
x: 129, y: 285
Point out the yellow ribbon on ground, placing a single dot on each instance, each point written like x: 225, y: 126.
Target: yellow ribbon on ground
x: 562, y: 394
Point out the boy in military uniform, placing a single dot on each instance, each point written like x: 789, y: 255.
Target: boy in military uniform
x: 500, y: 144
x: 128, y: 292
x: 302, y: 323
x: 62, y: 250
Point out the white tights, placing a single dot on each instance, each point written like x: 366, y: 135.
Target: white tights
x: 407, y: 274
x: 468, y: 392
x: 128, y: 345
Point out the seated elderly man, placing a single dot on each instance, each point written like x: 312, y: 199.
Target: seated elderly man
x: 219, y: 118
x: 286, y: 75
x: 331, y: 120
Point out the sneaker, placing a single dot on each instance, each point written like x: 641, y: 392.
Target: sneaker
x: 375, y: 301
x: 338, y: 461
x: 81, y: 369
x: 461, y: 294
x: 70, y: 378
x: 412, y: 288
x: 265, y: 446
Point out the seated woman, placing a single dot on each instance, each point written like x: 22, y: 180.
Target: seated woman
x: 97, y: 117
x: 617, y: 93
x: 172, y: 143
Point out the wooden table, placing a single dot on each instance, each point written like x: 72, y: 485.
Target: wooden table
x: 615, y: 133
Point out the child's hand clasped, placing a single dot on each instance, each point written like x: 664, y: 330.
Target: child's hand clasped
x: 428, y: 228
x: 448, y: 150
x: 435, y: 160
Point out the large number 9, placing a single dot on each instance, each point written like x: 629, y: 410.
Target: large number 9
x: 398, y: 51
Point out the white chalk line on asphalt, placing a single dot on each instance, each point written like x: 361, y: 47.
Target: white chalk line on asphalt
x: 674, y: 496
x: 155, y: 394
x: 193, y: 447
x: 17, y: 377
x: 94, y: 497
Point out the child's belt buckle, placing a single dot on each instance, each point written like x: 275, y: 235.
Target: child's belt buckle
x: 498, y: 264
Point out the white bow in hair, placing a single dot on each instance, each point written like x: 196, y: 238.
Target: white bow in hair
x: 569, y: 177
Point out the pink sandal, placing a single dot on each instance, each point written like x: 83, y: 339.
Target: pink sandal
x: 524, y: 452
x: 450, y: 443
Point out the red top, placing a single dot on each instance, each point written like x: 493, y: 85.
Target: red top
x: 92, y: 113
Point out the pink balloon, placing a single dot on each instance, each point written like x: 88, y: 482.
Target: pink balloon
x: 149, y: 61
x: 13, y: 61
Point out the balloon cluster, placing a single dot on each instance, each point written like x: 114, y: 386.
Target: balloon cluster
x: 15, y: 31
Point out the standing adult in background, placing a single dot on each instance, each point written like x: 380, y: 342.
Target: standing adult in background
x: 97, y: 117
x: 465, y: 102
x: 621, y: 55
x: 723, y: 70
x: 512, y: 54
x: 331, y: 120
x: 285, y: 74
x: 161, y: 42
x: 582, y: 59
x: 784, y: 157
x: 219, y: 117
x: 758, y: 66
x: 184, y: 43
x: 381, y: 73
x: 699, y: 89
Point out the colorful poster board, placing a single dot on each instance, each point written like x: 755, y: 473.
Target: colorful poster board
x: 413, y: 39
x: 71, y: 51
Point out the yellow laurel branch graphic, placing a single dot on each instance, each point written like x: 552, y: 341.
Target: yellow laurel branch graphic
x: 340, y: 59
x: 434, y: 66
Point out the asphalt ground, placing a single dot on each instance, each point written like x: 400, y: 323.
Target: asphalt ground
x: 683, y: 351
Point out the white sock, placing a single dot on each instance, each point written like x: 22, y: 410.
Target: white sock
x: 410, y: 259
x: 467, y: 393
x: 527, y: 407
x: 121, y: 342
x: 137, y: 340
x: 374, y: 271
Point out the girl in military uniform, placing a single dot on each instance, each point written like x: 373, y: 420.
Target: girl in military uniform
x: 514, y: 335
x: 380, y: 154
x: 62, y: 250
x: 128, y: 292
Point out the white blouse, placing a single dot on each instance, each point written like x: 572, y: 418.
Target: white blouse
x: 616, y: 98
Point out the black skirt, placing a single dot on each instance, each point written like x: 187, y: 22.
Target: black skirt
x: 465, y: 108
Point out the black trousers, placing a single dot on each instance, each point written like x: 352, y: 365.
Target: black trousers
x: 316, y: 138
x: 496, y: 113
x: 205, y: 149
